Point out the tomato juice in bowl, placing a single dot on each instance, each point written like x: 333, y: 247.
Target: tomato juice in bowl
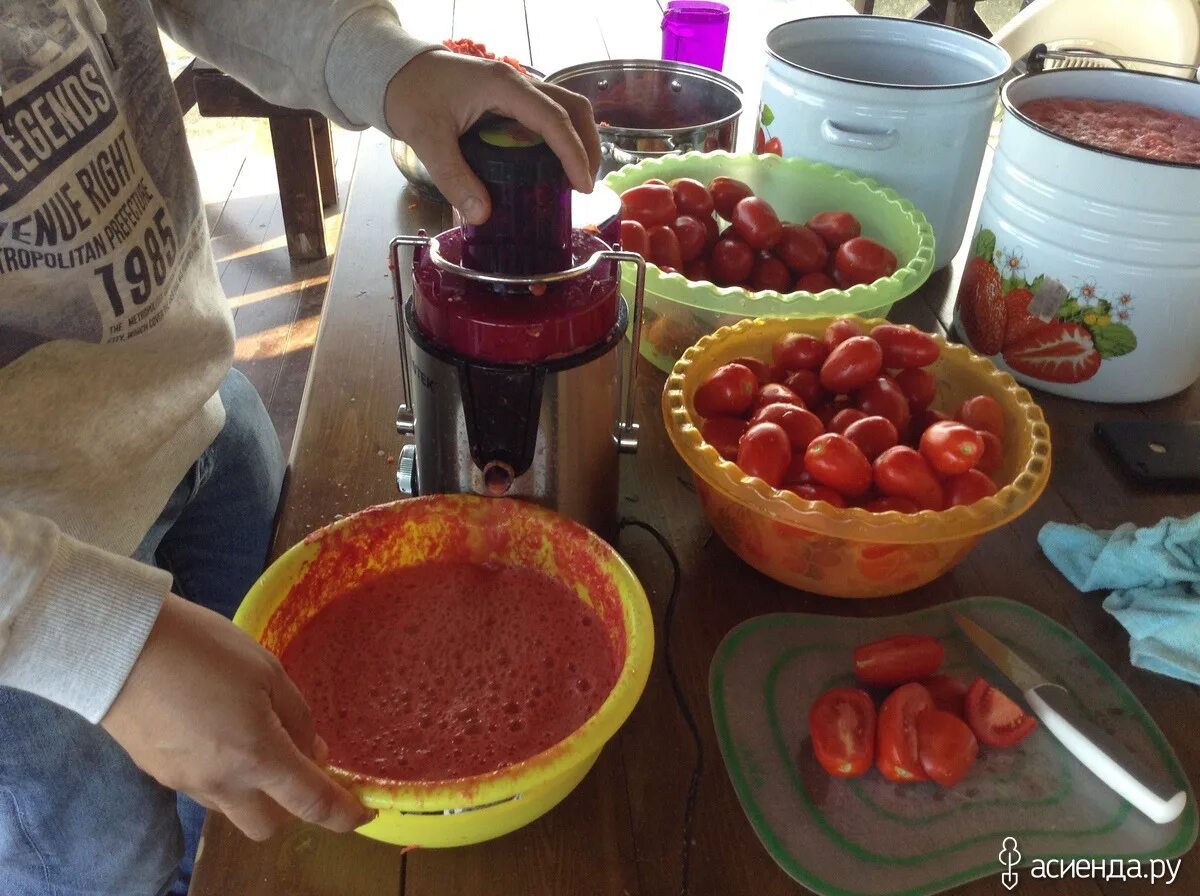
x: 349, y: 591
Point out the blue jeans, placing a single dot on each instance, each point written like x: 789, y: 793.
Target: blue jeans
x: 77, y: 817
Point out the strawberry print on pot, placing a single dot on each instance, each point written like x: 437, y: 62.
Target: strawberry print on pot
x: 763, y: 141
x: 1042, y: 329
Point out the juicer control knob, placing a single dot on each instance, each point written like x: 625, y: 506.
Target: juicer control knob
x: 406, y: 471
x: 405, y: 424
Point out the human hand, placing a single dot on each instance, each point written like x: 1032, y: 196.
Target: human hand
x: 438, y: 95
x: 208, y: 711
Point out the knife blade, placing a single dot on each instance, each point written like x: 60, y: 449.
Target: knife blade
x: 1145, y: 788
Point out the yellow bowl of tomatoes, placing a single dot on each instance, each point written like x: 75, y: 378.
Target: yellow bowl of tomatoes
x: 852, y: 457
x: 729, y: 237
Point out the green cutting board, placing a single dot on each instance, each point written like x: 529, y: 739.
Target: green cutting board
x: 870, y: 837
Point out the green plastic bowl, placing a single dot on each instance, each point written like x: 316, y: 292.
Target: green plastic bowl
x: 679, y: 311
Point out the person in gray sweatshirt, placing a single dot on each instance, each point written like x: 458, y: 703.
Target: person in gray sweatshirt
x: 139, y: 473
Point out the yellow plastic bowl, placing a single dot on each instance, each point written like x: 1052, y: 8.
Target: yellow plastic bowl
x: 469, y: 529
x: 852, y: 552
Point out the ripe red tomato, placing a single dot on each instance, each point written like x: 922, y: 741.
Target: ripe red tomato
x: 690, y: 233
x: 776, y: 393
x: 801, y: 426
x: 841, y: 330
x: 905, y: 347
x: 799, y: 351
x: 951, y: 447
x: 993, y: 453
x: 843, y: 419
x: 949, y: 693
x: 761, y: 369
x: 731, y: 261
x: 723, y: 434
x: 806, y: 384
x: 834, y: 228
x: 727, y: 391
x: 983, y: 413
x: 882, y: 398
x: 797, y: 473
x: 921, y: 421
x: 872, y: 435
x: 697, y: 269
x: 946, y: 746
x: 918, y: 386
x: 692, y: 197
x: 897, y: 752
x: 994, y: 717
x: 898, y: 659
x: 764, y: 451
x: 969, y: 487
x: 727, y: 193
x: 852, y: 364
x: 891, y: 502
x: 835, y: 461
x: 651, y: 205
x: 664, y: 247
x: 862, y: 260
x: 817, y: 281
x: 712, y: 231
x: 814, y: 491
x: 841, y: 724
x: 801, y: 249
x: 755, y: 221
x: 770, y: 273
x: 903, y: 473
x: 633, y: 238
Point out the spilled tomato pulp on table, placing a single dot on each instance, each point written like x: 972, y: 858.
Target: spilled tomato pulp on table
x: 450, y: 669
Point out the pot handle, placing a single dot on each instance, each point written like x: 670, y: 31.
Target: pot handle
x: 839, y: 135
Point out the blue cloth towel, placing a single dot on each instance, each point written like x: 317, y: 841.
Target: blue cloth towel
x: 1154, y: 576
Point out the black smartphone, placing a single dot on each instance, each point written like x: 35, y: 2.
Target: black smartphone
x: 1155, y: 453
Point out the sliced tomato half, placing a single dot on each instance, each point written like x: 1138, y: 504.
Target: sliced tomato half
x: 842, y: 725
x: 948, y: 693
x: 946, y: 745
x: 897, y: 752
x: 996, y: 720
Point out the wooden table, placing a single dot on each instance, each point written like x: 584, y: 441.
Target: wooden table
x: 623, y: 831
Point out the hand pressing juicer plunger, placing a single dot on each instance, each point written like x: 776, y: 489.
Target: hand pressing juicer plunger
x: 511, y: 344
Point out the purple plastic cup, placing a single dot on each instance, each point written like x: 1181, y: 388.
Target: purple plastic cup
x: 694, y: 31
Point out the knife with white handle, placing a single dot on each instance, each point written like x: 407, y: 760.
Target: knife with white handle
x: 1144, y: 788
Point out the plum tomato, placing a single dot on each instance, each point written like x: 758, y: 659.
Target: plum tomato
x: 918, y: 386
x: 946, y: 746
x: 852, y: 364
x: 755, y: 221
x: 731, y: 261
x: 834, y: 228
x: 797, y: 473
x: 761, y: 369
x: 723, y: 434
x: 813, y: 491
x: 799, y: 351
x: 872, y: 435
x: 727, y: 391
x: 841, y: 330
x: 801, y: 426
x: 969, y: 487
x: 712, y: 231
x: 897, y: 752
x: 690, y: 234
x: 903, y: 473
x: 664, y: 247
x: 841, y: 724
x: 905, y: 347
x: 897, y: 660
x: 651, y: 205
x: 764, y: 451
x: 775, y: 393
x: 633, y: 238
x: 862, y: 260
x: 801, y: 249
x: 983, y: 413
x: 951, y: 448
x: 949, y: 693
x: 890, y: 503
x: 697, y: 270
x: 726, y: 194
x: 835, y: 461
x: 881, y: 397
x: 806, y: 384
x: 843, y: 419
x: 993, y: 453
x: 994, y: 717
x: 817, y: 281
x: 692, y: 197
x: 770, y: 273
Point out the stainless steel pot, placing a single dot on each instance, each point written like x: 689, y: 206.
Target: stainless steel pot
x: 647, y: 108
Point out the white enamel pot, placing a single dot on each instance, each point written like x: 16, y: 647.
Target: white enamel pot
x: 1084, y: 279
x: 907, y: 103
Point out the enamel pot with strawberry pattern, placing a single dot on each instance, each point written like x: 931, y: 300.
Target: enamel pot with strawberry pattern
x: 1084, y: 275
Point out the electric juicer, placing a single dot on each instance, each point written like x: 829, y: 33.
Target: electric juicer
x: 512, y: 343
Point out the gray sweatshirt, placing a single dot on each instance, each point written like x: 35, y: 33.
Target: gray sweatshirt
x: 114, y: 331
